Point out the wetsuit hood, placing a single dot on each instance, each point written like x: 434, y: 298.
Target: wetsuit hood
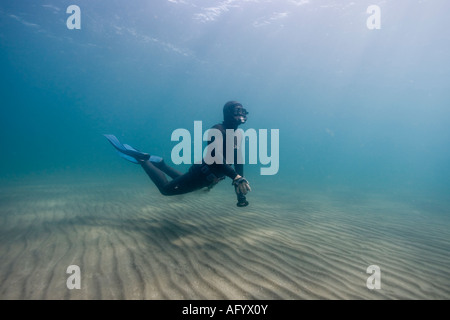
x: 234, y: 114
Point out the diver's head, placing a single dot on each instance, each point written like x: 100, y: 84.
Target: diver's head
x: 234, y: 114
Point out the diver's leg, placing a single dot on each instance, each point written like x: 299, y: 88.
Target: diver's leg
x: 156, y: 175
x: 184, y: 183
x: 171, y: 172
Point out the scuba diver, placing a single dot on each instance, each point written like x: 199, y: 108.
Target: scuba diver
x: 200, y: 175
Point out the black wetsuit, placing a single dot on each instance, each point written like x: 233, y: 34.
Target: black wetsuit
x: 199, y: 175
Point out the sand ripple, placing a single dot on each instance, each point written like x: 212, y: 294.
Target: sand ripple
x: 132, y: 243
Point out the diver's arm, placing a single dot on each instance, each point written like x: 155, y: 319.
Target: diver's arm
x: 241, y: 184
x: 227, y: 170
x: 223, y: 167
x: 239, y: 168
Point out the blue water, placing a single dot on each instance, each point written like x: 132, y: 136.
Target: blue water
x: 361, y: 110
x: 355, y: 107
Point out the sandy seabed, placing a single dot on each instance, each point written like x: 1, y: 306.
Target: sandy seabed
x: 130, y: 242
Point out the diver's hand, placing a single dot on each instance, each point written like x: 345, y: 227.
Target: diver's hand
x: 241, y: 185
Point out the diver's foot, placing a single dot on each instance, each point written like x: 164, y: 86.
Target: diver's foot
x: 130, y: 158
x: 126, y: 151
